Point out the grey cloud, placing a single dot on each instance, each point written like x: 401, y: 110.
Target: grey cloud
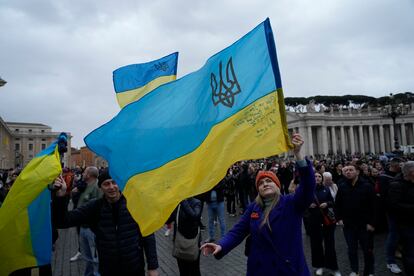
x: 58, y: 56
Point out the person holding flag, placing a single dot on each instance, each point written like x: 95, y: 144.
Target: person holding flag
x: 119, y: 242
x: 25, y: 221
x: 273, y: 223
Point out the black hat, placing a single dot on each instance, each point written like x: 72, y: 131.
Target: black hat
x: 103, y: 176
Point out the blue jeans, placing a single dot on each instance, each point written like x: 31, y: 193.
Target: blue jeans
x: 88, y: 250
x: 216, y: 209
x: 392, y: 241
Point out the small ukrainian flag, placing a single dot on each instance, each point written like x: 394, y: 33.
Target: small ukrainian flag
x: 134, y: 81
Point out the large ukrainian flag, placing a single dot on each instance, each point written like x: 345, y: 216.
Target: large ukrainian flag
x: 179, y: 140
x: 134, y: 81
x: 25, y: 222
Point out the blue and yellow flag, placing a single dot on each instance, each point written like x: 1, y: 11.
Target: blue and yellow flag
x: 134, y: 81
x: 25, y: 222
x: 179, y: 140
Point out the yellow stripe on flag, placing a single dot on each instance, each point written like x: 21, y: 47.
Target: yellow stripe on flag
x: 16, y: 250
x: 130, y: 96
x: 257, y: 131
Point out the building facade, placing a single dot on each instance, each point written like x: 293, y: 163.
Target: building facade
x: 22, y: 141
x: 6, y: 143
x: 351, y: 131
x: 84, y: 157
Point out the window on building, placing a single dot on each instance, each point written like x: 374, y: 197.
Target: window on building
x: 30, y: 130
x: 30, y: 155
x: 43, y: 130
x: 17, y: 139
x: 30, y: 146
x: 43, y: 139
x: 17, y: 147
x: 43, y: 146
x: 30, y: 139
x: 16, y: 129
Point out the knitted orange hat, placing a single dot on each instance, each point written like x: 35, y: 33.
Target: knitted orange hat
x: 270, y: 174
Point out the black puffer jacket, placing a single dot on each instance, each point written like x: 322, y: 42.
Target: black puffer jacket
x: 188, y: 218
x: 118, y: 238
x: 401, y: 201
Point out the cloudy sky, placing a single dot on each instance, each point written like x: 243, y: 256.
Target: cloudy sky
x: 58, y: 56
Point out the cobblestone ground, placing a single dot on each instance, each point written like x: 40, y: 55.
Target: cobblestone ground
x: 232, y: 265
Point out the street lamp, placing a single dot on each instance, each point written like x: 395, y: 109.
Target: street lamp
x: 2, y: 82
x: 394, y: 110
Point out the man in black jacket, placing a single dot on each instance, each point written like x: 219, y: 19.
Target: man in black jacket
x: 119, y: 241
x: 355, y: 210
x: 391, y: 242
x: 401, y: 206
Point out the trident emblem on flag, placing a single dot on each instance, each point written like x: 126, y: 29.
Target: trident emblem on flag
x: 161, y: 66
x: 224, y: 92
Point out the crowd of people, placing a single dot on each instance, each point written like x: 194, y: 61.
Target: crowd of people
x: 361, y: 195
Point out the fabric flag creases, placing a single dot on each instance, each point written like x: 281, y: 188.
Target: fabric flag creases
x: 25, y: 222
x: 134, y: 81
x: 191, y: 130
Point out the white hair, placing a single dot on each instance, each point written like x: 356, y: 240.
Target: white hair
x: 407, y: 167
x: 327, y: 174
x: 93, y: 171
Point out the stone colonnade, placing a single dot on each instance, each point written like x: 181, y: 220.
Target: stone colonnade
x: 330, y: 133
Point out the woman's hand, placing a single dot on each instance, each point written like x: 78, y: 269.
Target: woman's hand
x: 210, y: 248
x: 323, y: 205
x: 153, y: 272
x: 297, y: 142
x: 313, y: 205
x: 370, y: 228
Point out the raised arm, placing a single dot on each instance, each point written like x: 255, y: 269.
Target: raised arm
x: 304, y: 193
x: 63, y: 218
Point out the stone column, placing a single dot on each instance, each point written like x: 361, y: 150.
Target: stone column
x: 361, y: 140
x: 352, y: 139
x: 371, y: 139
x: 413, y: 130
x: 381, y: 136
x: 310, y: 141
x: 403, y: 135
x: 392, y: 134
x: 334, y: 146
x: 343, y: 148
x: 412, y: 133
x: 325, y: 140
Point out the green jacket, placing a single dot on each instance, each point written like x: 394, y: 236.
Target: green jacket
x: 92, y: 191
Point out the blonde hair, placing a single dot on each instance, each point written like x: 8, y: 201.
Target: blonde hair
x: 266, y: 211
